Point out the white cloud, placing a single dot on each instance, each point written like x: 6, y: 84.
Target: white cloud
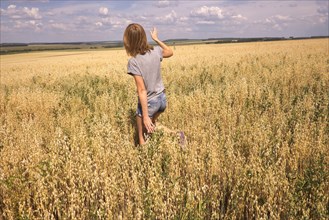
x: 82, y: 20
x: 166, y: 3
x: 239, y: 17
x: 208, y: 12
x: 282, y: 18
x: 108, y: 22
x: 170, y: 18
x: 275, y: 19
x: 267, y: 21
x: 19, y: 13
x: 161, y: 4
x: 99, y: 24
x: 32, y: 13
x: 183, y: 19
x: 276, y: 22
x: 323, y: 19
x: 30, y: 24
x: 205, y: 22
x: 16, y: 17
x: 103, y: 11
x: 277, y: 27
x: 59, y: 26
x: 323, y: 14
x: 214, y: 15
x: 11, y: 6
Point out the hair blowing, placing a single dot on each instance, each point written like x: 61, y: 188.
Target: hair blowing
x: 135, y: 41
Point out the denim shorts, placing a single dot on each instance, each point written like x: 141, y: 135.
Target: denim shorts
x: 155, y: 105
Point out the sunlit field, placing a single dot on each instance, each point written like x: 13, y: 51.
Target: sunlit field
x: 256, y: 116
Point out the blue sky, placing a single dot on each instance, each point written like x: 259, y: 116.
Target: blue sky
x: 69, y: 21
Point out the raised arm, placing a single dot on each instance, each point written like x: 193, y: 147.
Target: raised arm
x: 167, y: 51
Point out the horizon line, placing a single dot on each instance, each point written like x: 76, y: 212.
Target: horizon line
x: 167, y: 40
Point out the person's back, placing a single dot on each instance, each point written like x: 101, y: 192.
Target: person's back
x: 148, y: 66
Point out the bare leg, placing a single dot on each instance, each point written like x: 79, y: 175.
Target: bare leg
x: 140, y: 129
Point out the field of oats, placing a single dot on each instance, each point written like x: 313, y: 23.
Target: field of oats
x: 256, y: 116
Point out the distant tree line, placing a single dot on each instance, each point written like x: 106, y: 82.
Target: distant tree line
x: 4, y: 52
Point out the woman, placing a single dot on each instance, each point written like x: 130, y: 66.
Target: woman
x: 144, y: 65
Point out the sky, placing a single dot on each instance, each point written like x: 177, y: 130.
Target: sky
x: 82, y: 21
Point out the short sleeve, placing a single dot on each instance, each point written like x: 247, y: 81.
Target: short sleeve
x: 160, y: 52
x: 133, y: 68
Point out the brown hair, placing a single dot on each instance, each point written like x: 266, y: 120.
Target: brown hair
x: 135, y: 41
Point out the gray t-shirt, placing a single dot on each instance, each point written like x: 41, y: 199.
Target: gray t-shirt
x: 148, y: 66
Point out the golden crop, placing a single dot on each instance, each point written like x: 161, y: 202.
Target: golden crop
x: 256, y: 116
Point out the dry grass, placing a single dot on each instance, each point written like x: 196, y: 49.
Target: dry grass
x: 256, y: 115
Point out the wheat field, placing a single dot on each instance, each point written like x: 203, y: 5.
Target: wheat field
x: 255, y: 115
